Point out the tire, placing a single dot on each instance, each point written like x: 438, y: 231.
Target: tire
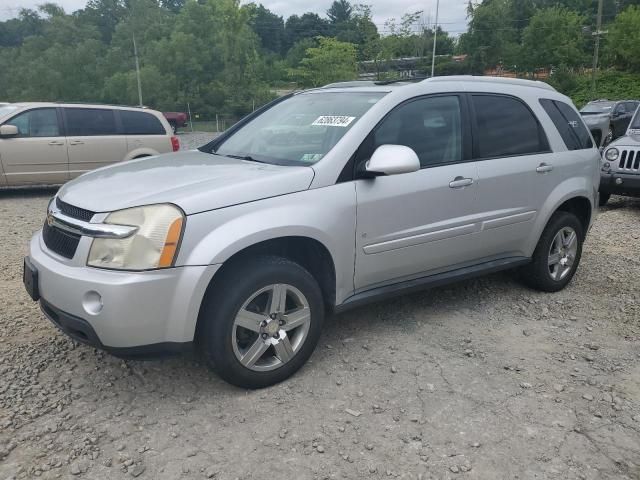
x: 540, y: 274
x: 609, y: 138
x: 604, y: 198
x: 255, y: 355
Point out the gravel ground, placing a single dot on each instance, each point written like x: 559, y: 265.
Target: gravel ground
x: 484, y: 379
x: 189, y: 141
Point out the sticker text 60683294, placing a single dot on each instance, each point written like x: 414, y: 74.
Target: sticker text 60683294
x: 333, y: 121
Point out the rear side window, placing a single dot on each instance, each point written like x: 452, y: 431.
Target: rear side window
x: 141, y: 123
x: 90, y: 122
x: 569, y: 124
x: 42, y: 122
x: 506, y: 127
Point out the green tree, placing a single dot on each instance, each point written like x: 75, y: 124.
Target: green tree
x: 268, y: 26
x: 554, y: 37
x: 308, y: 25
x: 330, y: 61
x: 623, y: 40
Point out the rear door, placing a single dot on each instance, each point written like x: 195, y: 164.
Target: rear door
x: 94, y: 139
x: 516, y: 171
x: 38, y: 155
x: 143, y: 130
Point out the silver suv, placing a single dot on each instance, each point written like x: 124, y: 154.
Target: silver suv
x: 318, y: 202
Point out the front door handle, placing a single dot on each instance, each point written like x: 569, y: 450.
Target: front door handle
x: 544, y: 168
x: 56, y: 142
x: 76, y: 142
x: 460, y: 182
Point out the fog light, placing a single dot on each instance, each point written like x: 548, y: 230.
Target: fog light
x: 606, y: 166
x: 618, y: 181
x: 92, y: 303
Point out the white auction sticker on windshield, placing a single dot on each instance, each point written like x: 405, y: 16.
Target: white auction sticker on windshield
x: 333, y: 121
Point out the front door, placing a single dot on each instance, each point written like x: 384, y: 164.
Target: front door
x: 38, y: 154
x: 413, y: 224
x: 94, y: 140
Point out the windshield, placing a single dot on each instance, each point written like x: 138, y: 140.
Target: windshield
x: 299, y: 130
x: 600, y: 107
x: 6, y: 110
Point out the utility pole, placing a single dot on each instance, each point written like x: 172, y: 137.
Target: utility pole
x: 135, y: 54
x: 596, y: 50
x: 435, y: 39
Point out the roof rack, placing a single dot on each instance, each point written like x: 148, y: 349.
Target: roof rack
x: 506, y: 80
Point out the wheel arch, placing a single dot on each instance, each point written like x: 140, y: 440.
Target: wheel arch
x: 308, y: 252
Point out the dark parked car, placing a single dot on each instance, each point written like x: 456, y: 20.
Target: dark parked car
x: 607, y: 119
x: 176, y: 119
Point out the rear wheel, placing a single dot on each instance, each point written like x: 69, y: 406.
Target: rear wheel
x: 557, y: 254
x: 262, y: 323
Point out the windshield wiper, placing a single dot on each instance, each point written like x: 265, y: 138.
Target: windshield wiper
x: 243, y: 157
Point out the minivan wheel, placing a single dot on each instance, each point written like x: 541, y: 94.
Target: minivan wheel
x: 557, y: 254
x: 261, y: 322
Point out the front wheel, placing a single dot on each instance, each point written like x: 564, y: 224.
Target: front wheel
x: 262, y: 321
x: 557, y: 255
x: 604, y: 198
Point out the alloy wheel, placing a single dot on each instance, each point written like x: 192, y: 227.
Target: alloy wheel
x: 271, y: 327
x: 563, y: 252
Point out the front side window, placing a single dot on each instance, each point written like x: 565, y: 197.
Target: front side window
x: 90, y: 122
x: 140, y: 123
x: 300, y: 130
x: 506, y: 127
x: 42, y: 122
x: 430, y: 126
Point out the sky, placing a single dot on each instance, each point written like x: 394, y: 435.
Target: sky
x: 452, y: 12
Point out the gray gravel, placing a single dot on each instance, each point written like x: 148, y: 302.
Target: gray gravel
x: 189, y: 141
x: 484, y: 379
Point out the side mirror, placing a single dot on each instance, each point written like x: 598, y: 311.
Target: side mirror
x: 392, y: 160
x: 8, y: 131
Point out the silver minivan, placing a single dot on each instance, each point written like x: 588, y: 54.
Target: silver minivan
x: 51, y: 143
x: 318, y: 202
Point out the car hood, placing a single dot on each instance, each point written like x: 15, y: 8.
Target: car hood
x: 193, y: 180
x: 594, y: 117
x: 626, y: 141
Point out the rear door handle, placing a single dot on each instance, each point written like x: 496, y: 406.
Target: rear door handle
x: 460, y: 182
x: 544, y: 168
x: 76, y: 142
x: 56, y: 142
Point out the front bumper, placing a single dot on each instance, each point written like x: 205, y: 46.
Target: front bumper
x: 123, y: 312
x: 620, y: 184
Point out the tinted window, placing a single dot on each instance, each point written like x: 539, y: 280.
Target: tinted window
x: 430, y: 126
x: 42, y: 122
x: 576, y: 123
x: 631, y: 106
x: 505, y: 126
x: 141, y: 123
x: 90, y: 121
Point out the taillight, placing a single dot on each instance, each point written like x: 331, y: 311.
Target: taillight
x: 175, y: 143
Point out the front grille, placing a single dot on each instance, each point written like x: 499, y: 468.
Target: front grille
x: 630, y: 161
x: 74, y: 212
x: 59, y: 241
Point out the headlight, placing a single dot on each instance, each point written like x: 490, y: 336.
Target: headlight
x: 154, y: 245
x: 612, y: 154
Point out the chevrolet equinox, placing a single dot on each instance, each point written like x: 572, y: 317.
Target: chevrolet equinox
x: 320, y: 201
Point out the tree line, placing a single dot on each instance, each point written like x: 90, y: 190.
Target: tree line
x: 223, y: 57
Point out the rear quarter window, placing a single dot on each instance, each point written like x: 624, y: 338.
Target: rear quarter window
x: 141, y: 123
x: 568, y: 123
